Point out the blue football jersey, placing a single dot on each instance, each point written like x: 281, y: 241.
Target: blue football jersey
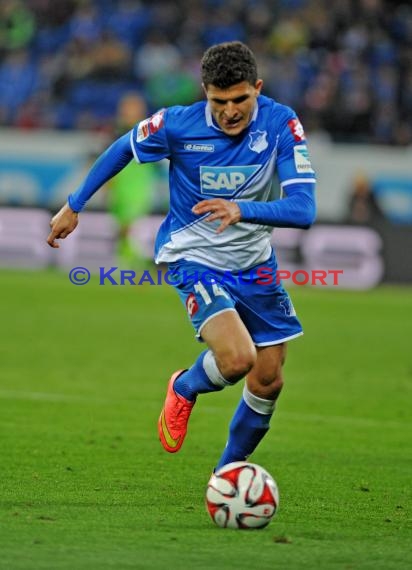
x: 207, y: 163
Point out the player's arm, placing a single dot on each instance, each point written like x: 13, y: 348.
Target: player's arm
x: 147, y: 142
x: 296, y: 210
x: 112, y: 161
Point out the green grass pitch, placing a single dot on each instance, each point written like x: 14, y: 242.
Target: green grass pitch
x: 85, y: 484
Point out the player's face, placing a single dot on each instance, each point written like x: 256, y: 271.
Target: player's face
x: 232, y: 108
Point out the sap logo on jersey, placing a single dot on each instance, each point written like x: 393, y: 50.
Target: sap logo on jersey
x: 225, y: 180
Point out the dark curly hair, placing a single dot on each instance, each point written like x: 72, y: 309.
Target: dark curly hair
x: 227, y: 64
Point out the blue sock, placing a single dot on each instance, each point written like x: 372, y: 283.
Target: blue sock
x: 195, y: 380
x: 247, y: 428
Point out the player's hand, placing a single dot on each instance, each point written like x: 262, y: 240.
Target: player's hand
x: 62, y: 224
x: 224, y: 210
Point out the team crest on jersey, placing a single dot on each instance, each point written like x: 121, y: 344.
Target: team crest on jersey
x: 296, y: 129
x: 258, y: 141
x: 288, y: 307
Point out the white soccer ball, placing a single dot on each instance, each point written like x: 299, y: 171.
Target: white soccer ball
x: 242, y: 495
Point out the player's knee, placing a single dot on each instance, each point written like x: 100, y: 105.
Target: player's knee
x: 268, y: 386
x: 276, y: 387
x: 235, y: 365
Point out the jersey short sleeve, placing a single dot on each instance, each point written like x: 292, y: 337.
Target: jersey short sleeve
x: 148, y: 139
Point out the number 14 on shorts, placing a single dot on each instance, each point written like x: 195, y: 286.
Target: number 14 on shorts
x: 216, y: 290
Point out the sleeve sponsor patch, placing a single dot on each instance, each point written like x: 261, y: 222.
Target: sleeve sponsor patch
x: 156, y: 122
x: 150, y: 126
x: 296, y: 129
x: 143, y: 130
x: 302, y: 161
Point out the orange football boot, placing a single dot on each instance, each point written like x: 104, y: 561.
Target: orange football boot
x: 172, y: 424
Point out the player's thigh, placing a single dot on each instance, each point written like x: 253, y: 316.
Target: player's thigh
x: 265, y: 379
x: 211, y: 310
x: 230, y: 341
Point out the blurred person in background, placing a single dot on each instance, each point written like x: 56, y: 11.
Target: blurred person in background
x: 167, y: 81
x: 363, y: 207
x: 17, y: 25
x: 130, y: 192
x: 223, y: 153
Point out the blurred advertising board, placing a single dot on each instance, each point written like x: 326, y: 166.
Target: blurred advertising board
x: 349, y: 257
x: 40, y: 169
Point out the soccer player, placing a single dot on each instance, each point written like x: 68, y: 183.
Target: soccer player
x: 223, y: 154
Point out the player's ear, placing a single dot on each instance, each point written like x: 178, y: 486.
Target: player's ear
x: 258, y: 86
x: 204, y: 87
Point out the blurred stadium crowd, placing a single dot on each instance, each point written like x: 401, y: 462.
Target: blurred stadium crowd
x: 344, y: 65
